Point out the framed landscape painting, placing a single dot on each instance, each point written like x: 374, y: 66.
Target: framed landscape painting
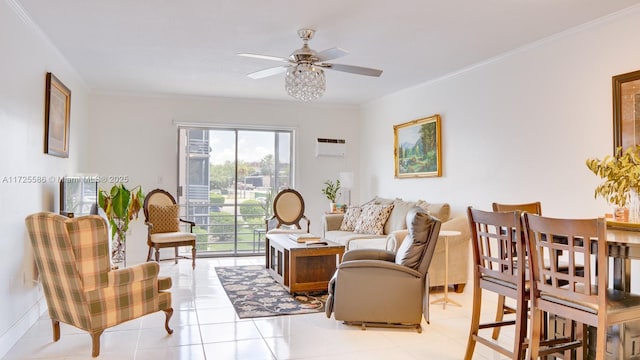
x: 417, y: 148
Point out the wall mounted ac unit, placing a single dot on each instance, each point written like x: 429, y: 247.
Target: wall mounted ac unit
x: 330, y: 147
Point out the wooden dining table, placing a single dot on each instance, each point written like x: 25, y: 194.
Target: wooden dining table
x: 624, y: 246
x: 623, y: 243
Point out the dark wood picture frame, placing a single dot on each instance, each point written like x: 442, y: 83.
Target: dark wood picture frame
x: 57, y: 111
x: 418, y: 148
x: 626, y: 110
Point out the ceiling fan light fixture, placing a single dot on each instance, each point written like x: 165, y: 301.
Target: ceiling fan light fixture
x: 305, y: 82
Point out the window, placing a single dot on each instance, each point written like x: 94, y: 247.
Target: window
x: 227, y: 180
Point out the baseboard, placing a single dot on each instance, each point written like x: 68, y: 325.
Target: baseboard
x: 11, y: 337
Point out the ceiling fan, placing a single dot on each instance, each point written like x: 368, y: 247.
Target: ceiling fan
x: 305, y: 78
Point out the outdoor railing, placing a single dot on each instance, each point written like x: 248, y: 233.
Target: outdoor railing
x: 221, y: 232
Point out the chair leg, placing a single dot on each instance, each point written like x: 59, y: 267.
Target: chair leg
x: 578, y: 332
x: 425, y: 299
x: 499, y: 316
x: 582, y: 334
x: 521, y: 327
x: 95, y: 340
x: 601, y: 342
x: 536, y: 333
x: 193, y: 257
x: 157, y: 254
x: 55, y: 324
x: 149, y: 253
x: 168, y: 313
x: 475, y: 322
x: 175, y: 259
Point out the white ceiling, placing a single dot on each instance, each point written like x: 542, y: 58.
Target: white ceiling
x: 189, y: 47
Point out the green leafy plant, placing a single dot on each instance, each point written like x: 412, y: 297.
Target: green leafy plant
x: 330, y: 189
x: 121, y: 205
x: 622, y: 174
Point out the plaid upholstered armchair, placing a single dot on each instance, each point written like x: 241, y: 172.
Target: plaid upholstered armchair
x: 72, y: 256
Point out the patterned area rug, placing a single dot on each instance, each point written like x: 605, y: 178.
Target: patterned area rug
x: 254, y: 293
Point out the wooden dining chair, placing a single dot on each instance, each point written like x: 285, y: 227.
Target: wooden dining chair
x: 502, y: 308
x: 532, y: 207
x: 582, y: 296
x: 498, y: 267
x: 162, y: 217
x: 554, y: 324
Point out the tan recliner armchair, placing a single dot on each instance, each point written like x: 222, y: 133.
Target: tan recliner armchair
x: 381, y: 288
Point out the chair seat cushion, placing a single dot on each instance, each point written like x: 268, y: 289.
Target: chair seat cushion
x: 509, y: 284
x: 617, y: 300
x: 171, y: 237
x: 164, y: 218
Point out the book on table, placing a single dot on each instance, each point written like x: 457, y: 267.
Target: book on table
x: 304, y: 237
x: 316, y: 243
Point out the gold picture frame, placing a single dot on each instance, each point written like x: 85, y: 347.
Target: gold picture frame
x: 626, y: 110
x: 418, y: 148
x: 57, y: 110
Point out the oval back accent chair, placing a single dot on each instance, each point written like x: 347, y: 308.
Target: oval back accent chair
x: 288, y: 212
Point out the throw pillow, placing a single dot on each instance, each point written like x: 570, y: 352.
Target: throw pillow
x: 350, y: 218
x: 164, y: 218
x: 398, y: 217
x: 416, y: 245
x: 441, y: 211
x: 372, y: 219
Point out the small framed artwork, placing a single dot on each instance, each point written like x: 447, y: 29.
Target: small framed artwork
x: 626, y: 110
x: 57, y: 110
x: 417, y: 148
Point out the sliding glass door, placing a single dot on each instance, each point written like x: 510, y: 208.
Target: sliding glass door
x: 227, y: 180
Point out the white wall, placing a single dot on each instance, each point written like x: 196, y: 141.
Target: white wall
x: 136, y: 136
x: 26, y: 58
x: 516, y: 129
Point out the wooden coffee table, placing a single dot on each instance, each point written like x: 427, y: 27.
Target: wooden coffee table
x: 299, y: 267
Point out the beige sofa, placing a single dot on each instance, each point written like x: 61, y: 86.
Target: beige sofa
x: 395, y: 229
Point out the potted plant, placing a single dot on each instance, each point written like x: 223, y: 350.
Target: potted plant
x: 622, y: 178
x: 330, y: 190
x: 120, y: 205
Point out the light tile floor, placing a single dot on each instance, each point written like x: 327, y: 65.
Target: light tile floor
x: 206, y: 327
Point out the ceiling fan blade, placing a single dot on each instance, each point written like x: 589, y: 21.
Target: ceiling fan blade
x: 352, y: 69
x: 265, y: 57
x: 268, y: 72
x: 330, y: 54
